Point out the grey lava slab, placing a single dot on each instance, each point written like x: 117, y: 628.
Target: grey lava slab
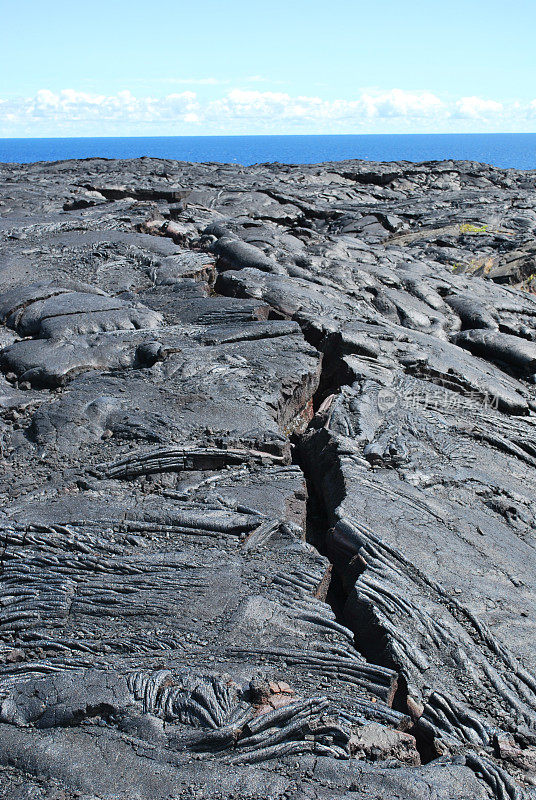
x: 268, y: 449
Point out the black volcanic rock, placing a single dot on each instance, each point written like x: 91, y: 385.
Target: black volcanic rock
x: 268, y: 448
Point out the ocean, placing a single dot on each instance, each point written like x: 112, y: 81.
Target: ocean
x: 500, y: 149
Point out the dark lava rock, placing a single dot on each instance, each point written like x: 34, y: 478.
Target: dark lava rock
x: 268, y: 444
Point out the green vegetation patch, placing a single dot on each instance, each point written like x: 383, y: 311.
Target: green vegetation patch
x: 468, y: 227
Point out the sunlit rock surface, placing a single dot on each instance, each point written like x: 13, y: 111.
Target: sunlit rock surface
x: 268, y: 449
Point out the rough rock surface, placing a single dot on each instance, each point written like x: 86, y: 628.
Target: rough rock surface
x: 268, y: 444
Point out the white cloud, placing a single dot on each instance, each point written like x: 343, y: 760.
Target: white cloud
x: 243, y: 110
x: 477, y: 108
x: 69, y: 106
x: 398, y: 103
x: 251, y: 104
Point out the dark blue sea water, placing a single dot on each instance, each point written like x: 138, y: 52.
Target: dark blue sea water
x: 501, y: 149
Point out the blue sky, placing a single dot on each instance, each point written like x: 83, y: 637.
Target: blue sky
x: 206, y: 67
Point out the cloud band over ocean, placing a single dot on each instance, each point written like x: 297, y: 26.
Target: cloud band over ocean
x: 75, y: 113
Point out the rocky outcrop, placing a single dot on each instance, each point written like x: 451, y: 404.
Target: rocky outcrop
x: 269, y: 460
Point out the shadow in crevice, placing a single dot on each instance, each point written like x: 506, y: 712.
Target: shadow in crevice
x: 370, y: 639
